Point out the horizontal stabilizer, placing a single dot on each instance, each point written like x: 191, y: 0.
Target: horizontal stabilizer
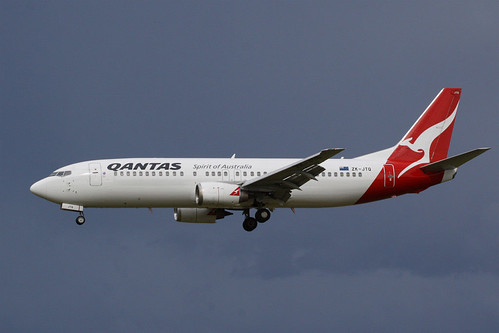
x: 453, y: 162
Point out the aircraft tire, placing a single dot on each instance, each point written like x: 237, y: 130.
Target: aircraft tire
x: 80, y: 220
x: 262, y: 215
x: 250, y: 224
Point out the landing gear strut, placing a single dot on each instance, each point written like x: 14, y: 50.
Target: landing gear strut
x: 262, y: 215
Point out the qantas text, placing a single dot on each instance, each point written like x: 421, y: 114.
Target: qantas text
x: 144, y: 166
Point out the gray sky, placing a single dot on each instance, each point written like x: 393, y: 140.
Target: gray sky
x: 87, y: 80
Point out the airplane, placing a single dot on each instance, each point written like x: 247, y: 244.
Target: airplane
x: 204, y: 190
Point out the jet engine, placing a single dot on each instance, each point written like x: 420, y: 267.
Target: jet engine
x: 219, y: 195
x: 199, y: 215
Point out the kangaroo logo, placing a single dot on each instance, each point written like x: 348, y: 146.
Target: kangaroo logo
x: 423, y: 143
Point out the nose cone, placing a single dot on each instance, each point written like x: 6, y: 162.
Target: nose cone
x: 39, y: 188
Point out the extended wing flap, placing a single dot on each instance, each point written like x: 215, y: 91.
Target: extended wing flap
x: 453, y: 162
x: 280, y: 182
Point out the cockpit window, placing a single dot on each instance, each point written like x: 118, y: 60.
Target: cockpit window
x: 60, y: 173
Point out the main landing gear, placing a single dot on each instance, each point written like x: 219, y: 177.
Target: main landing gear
x: 262, y: 215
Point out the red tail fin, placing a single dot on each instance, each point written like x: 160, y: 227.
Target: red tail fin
x: 429, y: 138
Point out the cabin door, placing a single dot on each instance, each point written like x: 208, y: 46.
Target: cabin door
x: 389, y: 172
x: 95, y: 174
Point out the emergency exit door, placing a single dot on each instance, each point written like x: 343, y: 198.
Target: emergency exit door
x: 231, y: 175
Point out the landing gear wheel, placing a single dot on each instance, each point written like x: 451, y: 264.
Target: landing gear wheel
x: 262, y: 215
x: 249, y: 224
x: 80, y: 220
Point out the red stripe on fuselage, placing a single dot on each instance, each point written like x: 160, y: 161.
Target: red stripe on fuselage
x: 413, y: 181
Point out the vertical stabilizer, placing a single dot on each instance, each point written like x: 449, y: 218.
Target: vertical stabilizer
x: 419, y: 160
x: 428, y: 139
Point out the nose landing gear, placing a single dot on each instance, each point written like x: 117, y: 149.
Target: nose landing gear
x: 74, y: 208
x: 80, y: 219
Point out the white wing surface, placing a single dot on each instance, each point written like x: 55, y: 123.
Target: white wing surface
x: 277, y: 185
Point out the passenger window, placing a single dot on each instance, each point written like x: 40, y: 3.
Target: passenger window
x: 353, y: 174
x: 213, y: 173
x: 245, y: 173
x: 116, y: 173
x: 329, y: 174
x: 174, y: 173
x: 121, y: 173
x: 348, y: 174
x: 360, y: 174
x: 258, y: 173
x: 207, y: 173
x: 128, y: 173
x: 167, y: 173
x: 252, y: 173
x: 336, y: 174
x: 265, y: 172
x: 341, y: 174
x: 140, y: 173
x: 154, y: 173
x: 219, y: 173
x: 323, y: 174
x: 181, y: 173
x: 194, y: 173
x: 226, y: 173
x: 147, y: 173
x: 135, y: 173
x: 237, y: 173
x: 160, y: 173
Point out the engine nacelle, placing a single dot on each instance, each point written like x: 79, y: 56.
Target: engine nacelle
x: 199, y: 215
x: 223, y: 195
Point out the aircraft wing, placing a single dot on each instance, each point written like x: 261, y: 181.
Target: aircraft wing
x: 278, y: 184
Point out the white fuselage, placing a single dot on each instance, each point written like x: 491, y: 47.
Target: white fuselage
x: 161, y: 182
x: 203, y: 190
